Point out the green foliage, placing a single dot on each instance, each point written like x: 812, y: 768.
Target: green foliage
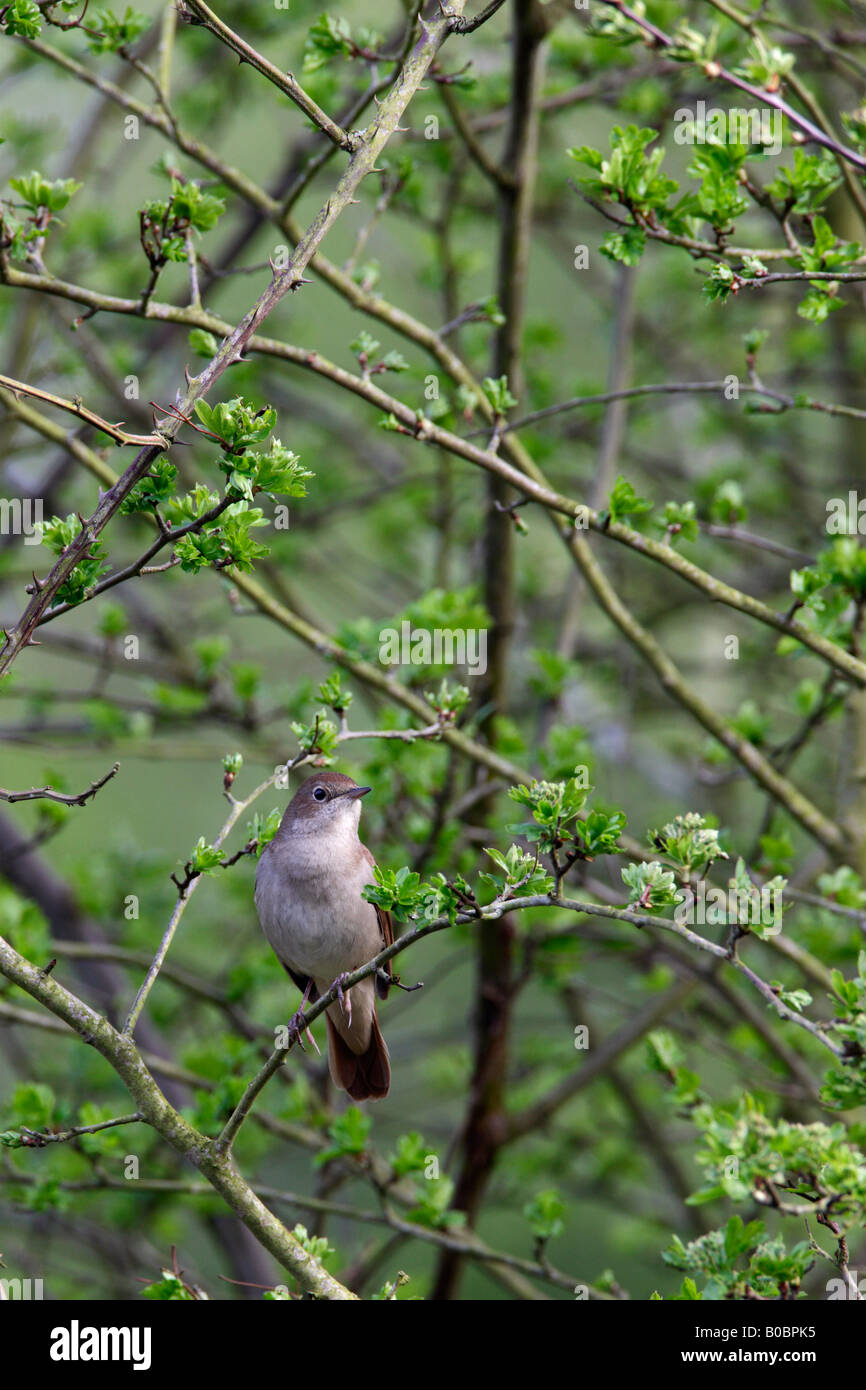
x: 319, y: 737
x: 24, y: 18
x: 262, y: 829
x: 544, y: 1214
x: 278, y: 472
x: 518, y: 870
x: 403, y: 893
x: 678, y: 521
x: 401, y: 526
x: 845, y: 1084
x: 630, y: 174
x: 157, y: 486
x: 202, y: 343
x: 332, y: 693
x: 236, y: 424
x: 225, y: 542
x: 434, y: 1205
x: 40, y: 194
x: 116, y: 32
x: 844, y: 886
x: 410, y: 1155
x: 205, y: 858
x: 33, y: 1105
x: 740, y: 1262
x: 689, y: 843
x: 624, y: 502
x: 498, y: 394
x: 169, y: 1288
x: 327, y: 39
x: 555, y: 807
x: 651, y: 886
x: 599, y: 833
x: 349, y: 1134
x: 58, y: 534
x: 317, y: 1246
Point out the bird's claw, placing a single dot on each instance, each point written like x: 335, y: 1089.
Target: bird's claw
x: 344, y: 998
x: 296, y: 1028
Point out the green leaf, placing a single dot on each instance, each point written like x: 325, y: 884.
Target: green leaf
x: 624, y: 501
x: 24, y: 18
x: 544, y: 1214
x: 115, y: 32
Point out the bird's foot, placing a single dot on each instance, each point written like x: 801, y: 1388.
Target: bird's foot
x: 344, y: 998
x: 297, y: 1026
x: 298, y: 1022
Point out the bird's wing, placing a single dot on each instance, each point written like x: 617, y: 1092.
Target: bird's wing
x: 386, y: 928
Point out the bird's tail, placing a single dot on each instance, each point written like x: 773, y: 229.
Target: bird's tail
x: 364, y: 1076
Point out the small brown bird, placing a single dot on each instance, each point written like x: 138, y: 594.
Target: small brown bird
x: 308, y: 896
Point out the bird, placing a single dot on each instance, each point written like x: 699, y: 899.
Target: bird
x: 308, y: 897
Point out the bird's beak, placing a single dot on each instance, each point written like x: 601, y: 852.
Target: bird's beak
x: 354, y: 792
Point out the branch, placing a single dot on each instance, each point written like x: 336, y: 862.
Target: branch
x: 76, y: 408
x: 527, y: 478
x: 468, y: 26
x: 48, y: 794
x: 123, y: 1056
x: 825, y: 831
x: 760, y: 94
x: 492, y: 912
x: 37, y: 1139
x: 363, y: 162
x: 282, y: 80
x: 186, y: 890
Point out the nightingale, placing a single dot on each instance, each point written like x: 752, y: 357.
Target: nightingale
x: 308, y: 896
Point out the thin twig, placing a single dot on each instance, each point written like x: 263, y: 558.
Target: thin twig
x: 48, y: 793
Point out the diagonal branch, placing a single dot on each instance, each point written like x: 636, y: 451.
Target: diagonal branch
x: 76, y: 408
x: 362, y: 163
x: 284, y: 81
x: 123, y: 1056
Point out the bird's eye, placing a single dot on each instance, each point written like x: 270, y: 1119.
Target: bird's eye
x: 320, y: 794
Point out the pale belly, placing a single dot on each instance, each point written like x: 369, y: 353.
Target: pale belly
x: 313, y: 930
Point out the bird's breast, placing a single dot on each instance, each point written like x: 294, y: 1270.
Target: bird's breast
x: 308, y: 896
